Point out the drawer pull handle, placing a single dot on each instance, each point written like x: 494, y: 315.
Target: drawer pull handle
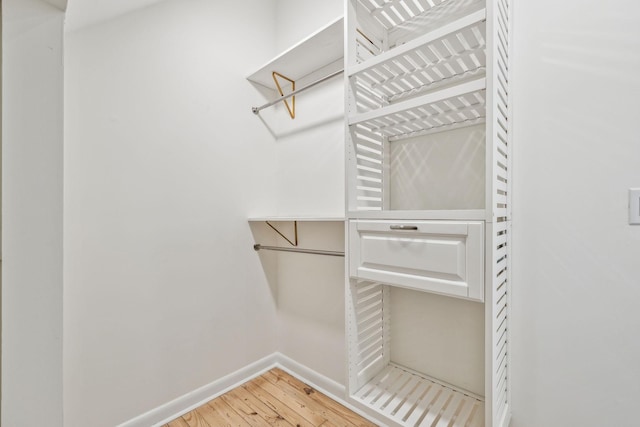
x: 404, y: 227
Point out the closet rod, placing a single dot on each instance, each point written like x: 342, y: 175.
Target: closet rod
x: 258, y: 247
x: 256, y: 110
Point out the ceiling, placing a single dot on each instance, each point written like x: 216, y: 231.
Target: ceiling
x: 82, y: 13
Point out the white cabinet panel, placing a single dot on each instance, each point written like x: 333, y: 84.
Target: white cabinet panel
x: 444, y: 257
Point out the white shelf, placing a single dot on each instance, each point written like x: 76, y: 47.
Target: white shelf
x: 289, y: 218
x: 454, y: 215
x: 393, y: 23
x: 319, y: 50
x: 446, y: 109
x: 415, y: 400
x: 445, y: 56
x: 447, y: 33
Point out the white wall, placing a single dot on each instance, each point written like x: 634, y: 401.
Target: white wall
x: 575, y: 346
x: 310, y: 182
x: 440, y: 336
x: 163, y: 161
x: 32, y: 214
x: 310, y: 152
x: 296, y: 19
x: 451, y: 165
x: 311, y: 302
x: 84, y: 13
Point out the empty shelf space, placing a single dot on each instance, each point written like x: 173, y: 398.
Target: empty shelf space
x: 458, y: 106
x: 414, y: 400
x: 446, y: 55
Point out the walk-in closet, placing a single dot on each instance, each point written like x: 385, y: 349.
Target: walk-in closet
x: 355, y: 213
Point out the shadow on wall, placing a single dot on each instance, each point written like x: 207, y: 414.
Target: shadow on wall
x: 269, y: 260
x: 307, y: 286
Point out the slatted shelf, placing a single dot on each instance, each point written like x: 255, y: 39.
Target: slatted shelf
x: 415, y: 400
x: 392, y: 13
x: 448, y: 54
x: 412, y: 16
x: 458, y: 106
x: 414, y: 68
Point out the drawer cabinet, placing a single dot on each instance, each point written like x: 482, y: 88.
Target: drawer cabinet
x: 444, y: 257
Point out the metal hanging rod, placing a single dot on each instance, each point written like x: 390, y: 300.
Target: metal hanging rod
x: 256, y: 110
x: 258, y: 247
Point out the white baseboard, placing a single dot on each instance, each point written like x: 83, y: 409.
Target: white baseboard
x: 323, y: 384
x: 183, y: 404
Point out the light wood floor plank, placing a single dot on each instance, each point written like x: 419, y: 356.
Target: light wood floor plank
x: 265, y: 412
x: 228, y: 413
x: 291, y: 400
x: 303, y: 397
x: 274, y: 399
x: 251, y: 416
x: 339, y: 410
x: 288, y: 413
x: 178, y: 422
x: 194, y: 419
x: 212, y: 417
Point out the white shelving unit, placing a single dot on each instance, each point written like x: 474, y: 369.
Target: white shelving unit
x: 428, y: 178
x: 428, y: 212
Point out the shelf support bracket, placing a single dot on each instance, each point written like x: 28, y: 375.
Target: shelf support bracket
x: 295, y: 233
x: 290, y: 108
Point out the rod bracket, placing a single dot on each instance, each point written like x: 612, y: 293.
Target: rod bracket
x: 295, y: 233
x: 283, y: 97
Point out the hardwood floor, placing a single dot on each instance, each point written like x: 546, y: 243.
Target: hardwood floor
x: 272, y: 399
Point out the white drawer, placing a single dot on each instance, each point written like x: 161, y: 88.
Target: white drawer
x: 445, y: 257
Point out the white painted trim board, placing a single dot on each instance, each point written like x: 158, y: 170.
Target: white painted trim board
x: 189, y: 401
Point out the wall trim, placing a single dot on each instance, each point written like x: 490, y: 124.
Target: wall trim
x: 187, y: 402
x: 183, y: 404
x: 323, y: 384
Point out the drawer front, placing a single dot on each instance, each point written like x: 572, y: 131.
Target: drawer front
x: 444, y: 257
